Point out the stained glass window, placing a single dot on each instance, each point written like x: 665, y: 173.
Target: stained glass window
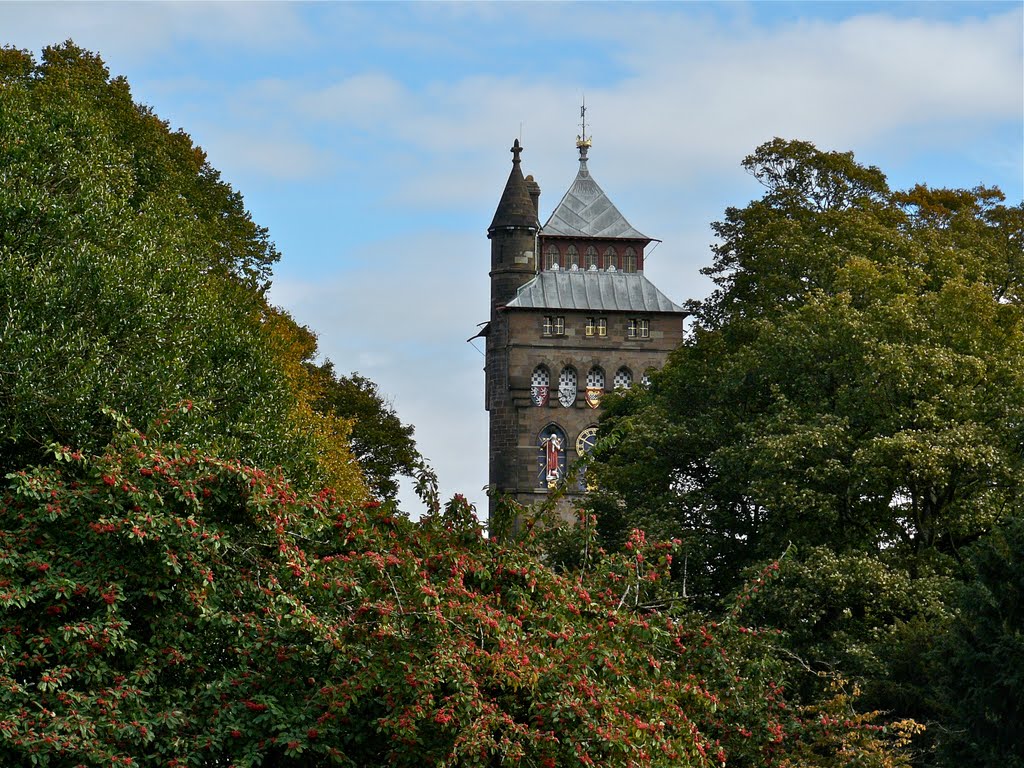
x: 551, y: 445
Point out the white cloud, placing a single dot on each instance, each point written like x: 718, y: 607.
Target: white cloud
x: 402, y: 320
x: 135, y: 32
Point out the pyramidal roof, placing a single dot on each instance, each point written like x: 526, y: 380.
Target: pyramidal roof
x: 586, y: 211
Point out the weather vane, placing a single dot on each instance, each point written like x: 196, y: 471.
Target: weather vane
x: 583, y: 140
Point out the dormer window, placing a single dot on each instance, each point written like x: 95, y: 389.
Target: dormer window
x: 592, y: 257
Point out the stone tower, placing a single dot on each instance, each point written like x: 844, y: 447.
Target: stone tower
x: 572, y: 315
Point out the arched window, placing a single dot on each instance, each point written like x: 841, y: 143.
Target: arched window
x: 595, y: 386
x: 540, y: 386
x: 551, y: 256
x: 591, y: 257
x: 551, y: 445
x: 630, y: 260
x: 623, y: 378
x: 572, y: 258
x: 567, y: 387
x: 646, y: 380
x: 611, y: 258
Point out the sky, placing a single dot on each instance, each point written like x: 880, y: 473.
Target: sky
x: 372, y: 139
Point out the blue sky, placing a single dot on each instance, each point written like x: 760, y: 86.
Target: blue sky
x: 372, y: 139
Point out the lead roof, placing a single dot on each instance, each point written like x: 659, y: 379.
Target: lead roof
x: 592, y: 290
x: 586, y: 211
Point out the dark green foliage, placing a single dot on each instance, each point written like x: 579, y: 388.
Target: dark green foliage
x: 855, y: 386
x: 980, y: 662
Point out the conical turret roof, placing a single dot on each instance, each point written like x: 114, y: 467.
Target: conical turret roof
x: 515, y: 209
x: 586, y: 211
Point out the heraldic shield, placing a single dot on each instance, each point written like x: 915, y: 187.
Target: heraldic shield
x: 594, y: 395
x: 567, y: 394
x: 539, y: 395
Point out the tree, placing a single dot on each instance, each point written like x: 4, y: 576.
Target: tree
x: 131, y: 277
x: 979, y: 661
x: 856, y: 380
x: 383, y: 445
x: 853, y: 387
x: 165, y: 607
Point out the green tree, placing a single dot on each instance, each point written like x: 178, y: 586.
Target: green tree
x: 132, y: 277
x: 855, y: 381
x: 383, y: 445
x: 980, y: 662
x: 854, y: 387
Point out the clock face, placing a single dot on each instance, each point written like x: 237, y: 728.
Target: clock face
x: 585, y: 442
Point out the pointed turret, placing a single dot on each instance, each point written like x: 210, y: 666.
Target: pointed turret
x: 516, y: 208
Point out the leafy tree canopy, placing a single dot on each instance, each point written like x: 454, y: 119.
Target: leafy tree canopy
x: 980, y: 660
x: 132, y: 277
x: 853, y: 389
x: 856, y: 381
x: 380, y: 441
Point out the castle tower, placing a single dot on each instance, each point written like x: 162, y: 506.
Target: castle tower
x: 572, y: 316
x: 513, y: 236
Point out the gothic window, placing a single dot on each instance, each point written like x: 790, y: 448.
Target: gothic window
x: 630, y: 260
x: 551, y: 445
x: 591, y: 257
x: 551, y: 257
x: 623, y: 378
x: 567, y: 387
x: 646, y: 380
x: 539, y: 386
x: 572, y: 258
x: 595, y: 387
x: 611, y: 258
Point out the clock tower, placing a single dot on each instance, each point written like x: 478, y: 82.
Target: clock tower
x: 571, y: 316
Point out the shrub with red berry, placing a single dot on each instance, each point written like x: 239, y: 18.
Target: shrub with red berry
x: 166, y: 607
